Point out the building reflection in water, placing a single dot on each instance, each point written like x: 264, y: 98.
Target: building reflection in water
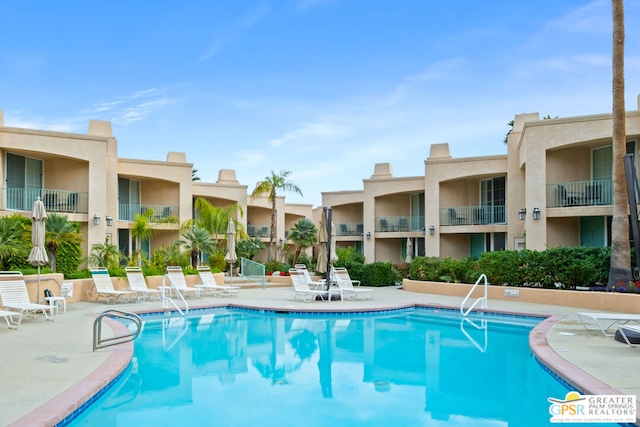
x: 456, y: 369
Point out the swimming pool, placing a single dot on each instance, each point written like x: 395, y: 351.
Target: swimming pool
x: 411, y: 367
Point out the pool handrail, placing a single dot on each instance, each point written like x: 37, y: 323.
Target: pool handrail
x: 481, y: 300
x: 167, y: 298
x: 99, y: 342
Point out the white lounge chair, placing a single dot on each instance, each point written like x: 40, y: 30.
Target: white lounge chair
x: 345, y: 284
x: 103, y: 287
x: 208, y: 283
x: 626, y: 330
x: 179, y: 283
x: 138, y: 284
x: 313, y: 284
x: 14, y: 295
x: 13, y: 318
x: 300, y: 288
x: 604, y: 321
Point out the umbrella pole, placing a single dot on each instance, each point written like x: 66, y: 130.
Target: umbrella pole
x: 38, y: 295
x: 231, y: 271
x: 328, y: 225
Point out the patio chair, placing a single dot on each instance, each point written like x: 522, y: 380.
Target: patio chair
x: 138, y: 284
x: 208, y: 283
x: 345, y: 284
x: 604, y: 321
x: 15, y: 298
x: 313, y: 284
x: 10, y: 317
x: 103, y: 287
x: 300, y: 288
x: 179, y: 283
x: 630, y: 334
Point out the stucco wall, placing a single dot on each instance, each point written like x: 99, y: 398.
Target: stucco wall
x: 605, y: 301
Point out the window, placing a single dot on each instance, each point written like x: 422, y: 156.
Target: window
x: 128, y: 198
x: 24, y: 181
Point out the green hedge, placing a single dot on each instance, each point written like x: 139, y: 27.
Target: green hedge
x: 555, y: 267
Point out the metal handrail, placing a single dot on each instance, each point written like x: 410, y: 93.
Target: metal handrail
x: 99, y: 342
x: 481, y: 327
x: 482, y: 300
x: 167, y: 299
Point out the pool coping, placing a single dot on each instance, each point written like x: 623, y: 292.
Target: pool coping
x: 61, y: 410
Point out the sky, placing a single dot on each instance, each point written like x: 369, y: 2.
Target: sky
x: 324, y: 89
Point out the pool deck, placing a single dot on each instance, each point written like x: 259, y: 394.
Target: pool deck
x: 49, y: 368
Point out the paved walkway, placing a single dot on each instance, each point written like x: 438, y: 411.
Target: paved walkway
x: 48, y: 367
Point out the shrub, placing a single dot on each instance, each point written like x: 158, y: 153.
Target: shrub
x: 216, y: 261
x: 275, y: 265
x: 376, y: 274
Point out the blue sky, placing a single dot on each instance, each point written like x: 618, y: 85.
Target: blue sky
x: 323, y: 88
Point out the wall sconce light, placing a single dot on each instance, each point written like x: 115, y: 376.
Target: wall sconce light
x: 281, y: 240
x: 521, y: 214
x: 536, y: 214
x: 109, y: 221
x: 96, y: 219
x: 432, y: 230
x: 368, y: 235
x: 424, y: 231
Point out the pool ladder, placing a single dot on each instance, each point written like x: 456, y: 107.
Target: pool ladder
x: 482, y: 301
x: 99, y: 342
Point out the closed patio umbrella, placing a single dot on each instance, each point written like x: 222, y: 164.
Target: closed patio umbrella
x: 323, y: 238
x: 409, y: 251
x: 231, y: 256
x: 38, y: 255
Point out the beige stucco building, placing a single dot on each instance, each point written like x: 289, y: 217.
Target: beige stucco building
x: 81, y: 176
x: 552, y: 187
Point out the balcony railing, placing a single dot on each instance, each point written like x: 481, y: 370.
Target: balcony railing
x: 161, y: 213
x: 399, y: 223
x: 473, y: 215
x: 259, y: 230
x: 580, y: 193
x: 63, y: 201
x: 349, y: 229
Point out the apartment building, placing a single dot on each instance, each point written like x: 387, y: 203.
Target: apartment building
x: 81, y: 176
x: 553, y: 187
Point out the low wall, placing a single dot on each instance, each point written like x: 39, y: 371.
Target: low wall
x: 605, y: 301
x: 81, y: 286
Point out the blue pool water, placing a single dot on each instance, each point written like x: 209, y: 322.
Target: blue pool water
x: 415, y: 367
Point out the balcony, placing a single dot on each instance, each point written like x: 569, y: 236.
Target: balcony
x: 473, y: 215
x: 580, y: 193
x: 161, y: 213
x: 399, y: 223
x: 55, y: 201
x: 259, y: 230
x: 349, y: 229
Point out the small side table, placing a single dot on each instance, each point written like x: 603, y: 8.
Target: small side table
x: 56, y: 301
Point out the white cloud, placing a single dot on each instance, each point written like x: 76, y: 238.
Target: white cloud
x: 235, y: 30
x: 309, y: 131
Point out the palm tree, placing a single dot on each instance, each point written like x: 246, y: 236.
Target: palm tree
x: 58, y: 231
x: 142, y: 231
x: 620, y: 270
x: 196, y: 240
x: 270, y: 185
x: 12, y: 241
x: 249, y: 248
x: 105, y: 255
x: 194, y: 177
x: 215, y: 219
x: 304, y: 235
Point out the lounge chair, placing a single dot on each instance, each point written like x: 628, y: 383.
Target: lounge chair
x: 604, y: 321
x: 103, y: 287
x: 179, y: 283
x: 347, y: 291
x: 15, y: 298
x: 629, y: 332
x: 10, y: 317
x: 300, y: 288
x: 138, y: 284
x: 208, y: 283
x: 313, y: 284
